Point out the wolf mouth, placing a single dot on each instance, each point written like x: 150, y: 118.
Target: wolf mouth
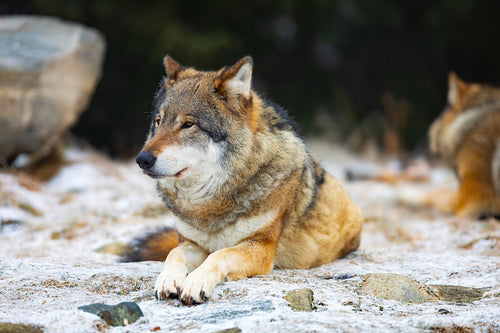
x: 180, y: 173
x: 156, y: 175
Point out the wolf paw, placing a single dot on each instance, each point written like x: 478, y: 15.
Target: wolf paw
x: 169, y: 283
x: 197, y: 287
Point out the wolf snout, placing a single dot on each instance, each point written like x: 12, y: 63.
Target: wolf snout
x: 145, y: 160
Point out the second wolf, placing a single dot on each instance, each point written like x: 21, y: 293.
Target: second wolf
x: 467, y: 136
x: 247, y: 193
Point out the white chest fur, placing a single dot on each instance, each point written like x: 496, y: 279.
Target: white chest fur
x: 227, y: 237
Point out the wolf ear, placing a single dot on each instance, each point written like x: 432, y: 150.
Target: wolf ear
x: 172, y: 67
x: 236, y: 80
x: 456, y: 88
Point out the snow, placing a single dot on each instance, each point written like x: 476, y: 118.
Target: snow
x: 49, y: 265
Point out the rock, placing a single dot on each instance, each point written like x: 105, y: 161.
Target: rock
x: 444, y: 311
x: 300, y: 300
x: 402, y: 288
x: 230, y: 330
x: 121, y: 314
x: 19, y: 328
x: 457, y: 294
x: 48, y: 71
x: 396, y: 287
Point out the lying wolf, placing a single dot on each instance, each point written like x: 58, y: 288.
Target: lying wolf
x: 247, y: 193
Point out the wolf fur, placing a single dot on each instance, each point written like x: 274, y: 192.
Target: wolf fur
x: 467, y: 136
x: 247, y: 193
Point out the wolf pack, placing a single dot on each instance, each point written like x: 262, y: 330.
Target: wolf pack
x: 248, y: 194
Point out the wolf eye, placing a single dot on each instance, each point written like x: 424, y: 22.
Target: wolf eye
x: 157, y: 121
x: 187, y: 124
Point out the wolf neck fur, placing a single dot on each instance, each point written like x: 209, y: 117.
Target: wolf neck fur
x: 211, y: 198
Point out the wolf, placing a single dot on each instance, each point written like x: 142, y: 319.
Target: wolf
x: 247, y: 193
x: 467, y: 136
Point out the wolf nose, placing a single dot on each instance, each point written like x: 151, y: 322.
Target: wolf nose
x: 145, y: 160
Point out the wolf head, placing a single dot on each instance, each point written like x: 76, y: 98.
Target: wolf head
x: 198, y: 117
x: 467, y: 104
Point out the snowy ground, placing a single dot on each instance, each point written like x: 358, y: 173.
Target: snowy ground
x: 52, y: 262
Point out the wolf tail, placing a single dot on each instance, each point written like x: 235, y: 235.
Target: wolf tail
x: 155, y: 245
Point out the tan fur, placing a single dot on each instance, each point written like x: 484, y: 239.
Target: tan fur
x: 496, y: 168
x: 467, y: 135
x: 335, y: 231
x: 254, y: 197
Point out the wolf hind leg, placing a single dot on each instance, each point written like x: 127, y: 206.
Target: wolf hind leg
x: 477, y: 198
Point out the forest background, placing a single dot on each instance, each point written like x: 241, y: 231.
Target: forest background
x: 353, y: 70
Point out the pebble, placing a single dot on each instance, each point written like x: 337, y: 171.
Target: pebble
x: 300, y: 300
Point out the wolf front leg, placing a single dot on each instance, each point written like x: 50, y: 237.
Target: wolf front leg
x: 251, y: 257
x: 180, y: 261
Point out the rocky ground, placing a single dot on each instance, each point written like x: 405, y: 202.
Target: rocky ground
x: 416, y: 270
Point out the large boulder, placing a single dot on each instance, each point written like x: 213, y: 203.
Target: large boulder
x: 48, y: 71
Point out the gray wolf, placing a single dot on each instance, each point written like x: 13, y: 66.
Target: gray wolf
x: 467, y: 136
x: 247, y: 193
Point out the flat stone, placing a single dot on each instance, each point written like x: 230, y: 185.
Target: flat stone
x: 121, y: 314
x: 457, y: 294
x: 300, y: 300
x: 396, y: 287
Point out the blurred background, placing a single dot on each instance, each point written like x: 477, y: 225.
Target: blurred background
x: 362, y: 73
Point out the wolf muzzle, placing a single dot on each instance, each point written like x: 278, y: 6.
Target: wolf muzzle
x: 145, y: 160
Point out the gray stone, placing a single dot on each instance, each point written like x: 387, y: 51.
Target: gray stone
x: 402, y: 288
x: 457, y: 294
x: 48, y: 71
x: 300, y: 300
x: 121, y: 314
x: 396, y: 287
